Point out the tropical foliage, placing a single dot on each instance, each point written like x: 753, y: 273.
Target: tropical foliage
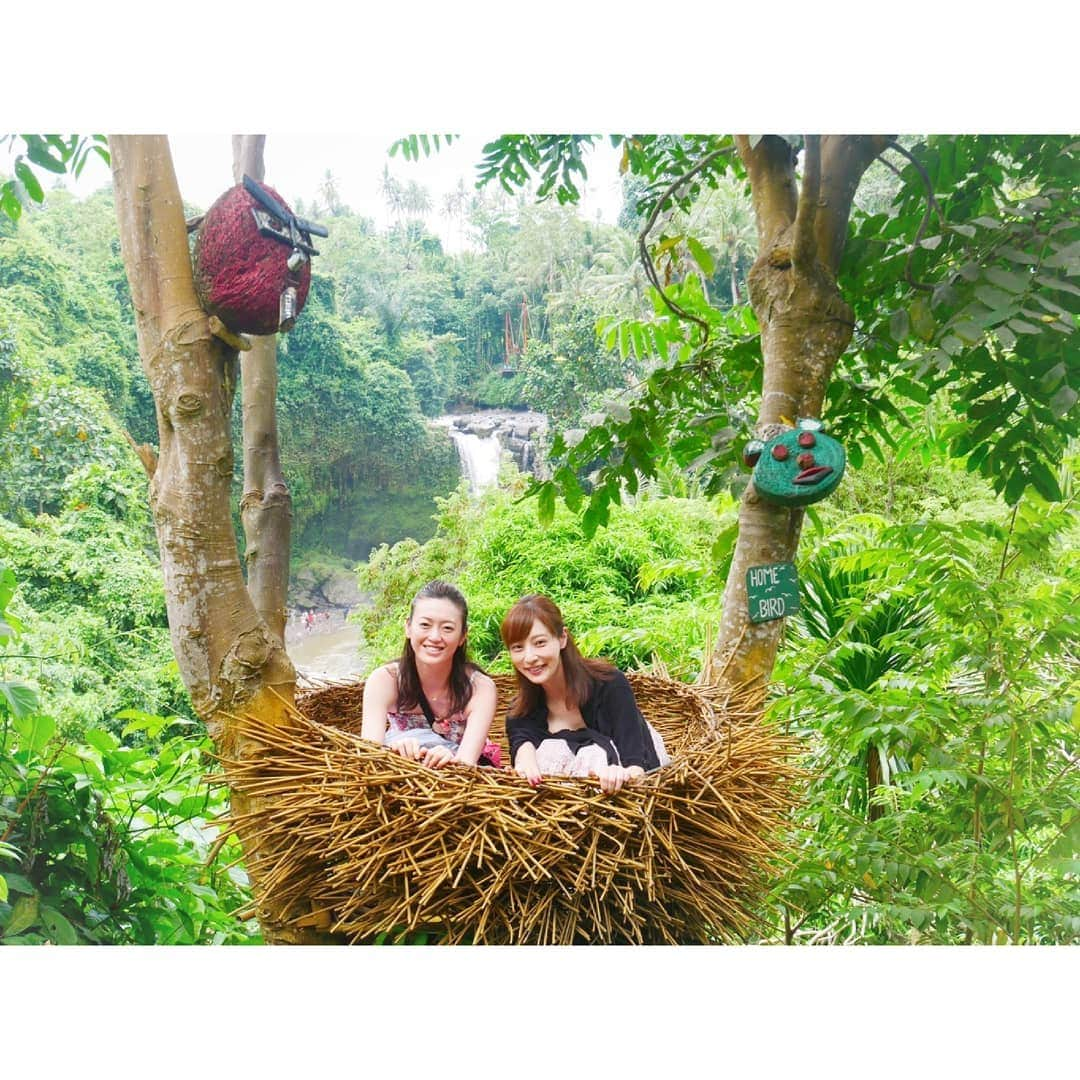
x: 932, y: 671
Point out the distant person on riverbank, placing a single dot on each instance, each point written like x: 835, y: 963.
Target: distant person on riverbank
x: 572, y: 716
x: 433, y: 705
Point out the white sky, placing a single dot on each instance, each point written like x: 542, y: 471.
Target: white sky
x: 297, y: 163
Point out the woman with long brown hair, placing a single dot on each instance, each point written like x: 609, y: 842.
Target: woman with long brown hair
x: 572, y: 716
x: 433, y: 705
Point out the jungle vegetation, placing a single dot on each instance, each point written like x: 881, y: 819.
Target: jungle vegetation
x: 932, y: 670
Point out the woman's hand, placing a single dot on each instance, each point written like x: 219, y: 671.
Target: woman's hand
x: 439, y: 756
x: 525, y: 764
x: 530, y: 772
x: 612, y: 777
x: 409, y: 748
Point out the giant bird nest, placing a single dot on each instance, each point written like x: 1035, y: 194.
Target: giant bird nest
x: 356, y: 842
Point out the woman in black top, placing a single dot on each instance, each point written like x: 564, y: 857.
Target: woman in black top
x: 572, y: 716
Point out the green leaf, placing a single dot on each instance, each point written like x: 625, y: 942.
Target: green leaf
x: 993, y: 298
x: 9, y: 202
x: 922, y: 321
x: 1007, y: 279
x: 3, y: 889
x: 546, y: 503
x: 18, y: 883
x: 29, y: 180
x: 21, y: 698
x: 1014, y: 486
x: 1052, y: 379
x: 1022, y: 257
x: 899, y: 326
x: 1057, y: 284
x: 1063, y: 401
x: 102, y: 740
x: 1005, y: 336
x: 34, y: 731
x: 37, y: 151
x: 24, y: 913
x: 1022, y: 327
x: 571, y: 488
x: 1044, y: 480
x: 59, y: 929
x: 701, y: 256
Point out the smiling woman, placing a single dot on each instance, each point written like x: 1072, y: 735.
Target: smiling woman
x: 572, y: 716
x: 433, y: 705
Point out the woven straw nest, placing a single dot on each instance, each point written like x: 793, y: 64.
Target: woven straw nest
x: 357, y: 842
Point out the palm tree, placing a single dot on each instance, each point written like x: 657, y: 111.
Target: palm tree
x: 392, y: 192
x: 617, y: 277
x: 416, y: 200
x: 328, y: 192
x: 723, y: 220
x: 454, y: 205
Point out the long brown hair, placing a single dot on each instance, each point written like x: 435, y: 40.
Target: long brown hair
x: 581, y: 674
x: 408, y: 678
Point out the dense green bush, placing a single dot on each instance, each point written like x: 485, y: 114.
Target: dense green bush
x: 932, y: 673
x: 105, y: 839
x: 632, y: 592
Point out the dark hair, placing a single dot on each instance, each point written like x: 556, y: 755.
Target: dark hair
x: 581, y: 674
x: 408, y: 678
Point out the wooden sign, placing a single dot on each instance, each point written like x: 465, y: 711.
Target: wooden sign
x: 772, y: 591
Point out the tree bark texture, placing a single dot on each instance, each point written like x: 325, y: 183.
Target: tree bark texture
x: 266, y: 504
x: 228, y: 658
x: 805, y: 326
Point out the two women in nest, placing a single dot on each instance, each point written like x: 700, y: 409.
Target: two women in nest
x: 572, y: 716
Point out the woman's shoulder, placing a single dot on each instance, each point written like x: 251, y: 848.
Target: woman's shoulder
x: 604, y: 673
x: 612, y: 683
x: 479, y: 679
x: 383, y: 676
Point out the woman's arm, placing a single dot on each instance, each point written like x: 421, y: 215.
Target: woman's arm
x: 380, y: 695
x: 612, y: 777
x: 618, y: 716
x: 478, y: 716
x: 525, y: 763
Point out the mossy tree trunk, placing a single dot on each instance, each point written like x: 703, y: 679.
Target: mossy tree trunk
x: 805, y: 326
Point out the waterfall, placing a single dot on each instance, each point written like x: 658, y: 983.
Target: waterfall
x: 479, y: 458
x: 482, y: 438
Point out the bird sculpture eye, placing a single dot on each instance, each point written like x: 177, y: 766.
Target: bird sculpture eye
x: 751, y: 452
x: 806, y: 438
x: 780, y: 452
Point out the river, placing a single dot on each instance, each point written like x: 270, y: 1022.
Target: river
x: 331, y: 649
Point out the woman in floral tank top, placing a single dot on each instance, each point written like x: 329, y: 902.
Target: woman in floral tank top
x: 433, y: 705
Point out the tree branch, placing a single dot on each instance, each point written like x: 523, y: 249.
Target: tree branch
x: 844, y: 159
x: 266, y: 505
x: 643, y: 247
x: 804, y: 247
x: 770, y: 164
x: 931, y: 204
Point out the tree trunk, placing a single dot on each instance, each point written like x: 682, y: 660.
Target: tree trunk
x: 266, y: 505
x: 229, y: 660
x: 805, y: 326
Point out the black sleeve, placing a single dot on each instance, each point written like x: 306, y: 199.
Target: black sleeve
x: 524, y: 729
x: 618, y: 715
